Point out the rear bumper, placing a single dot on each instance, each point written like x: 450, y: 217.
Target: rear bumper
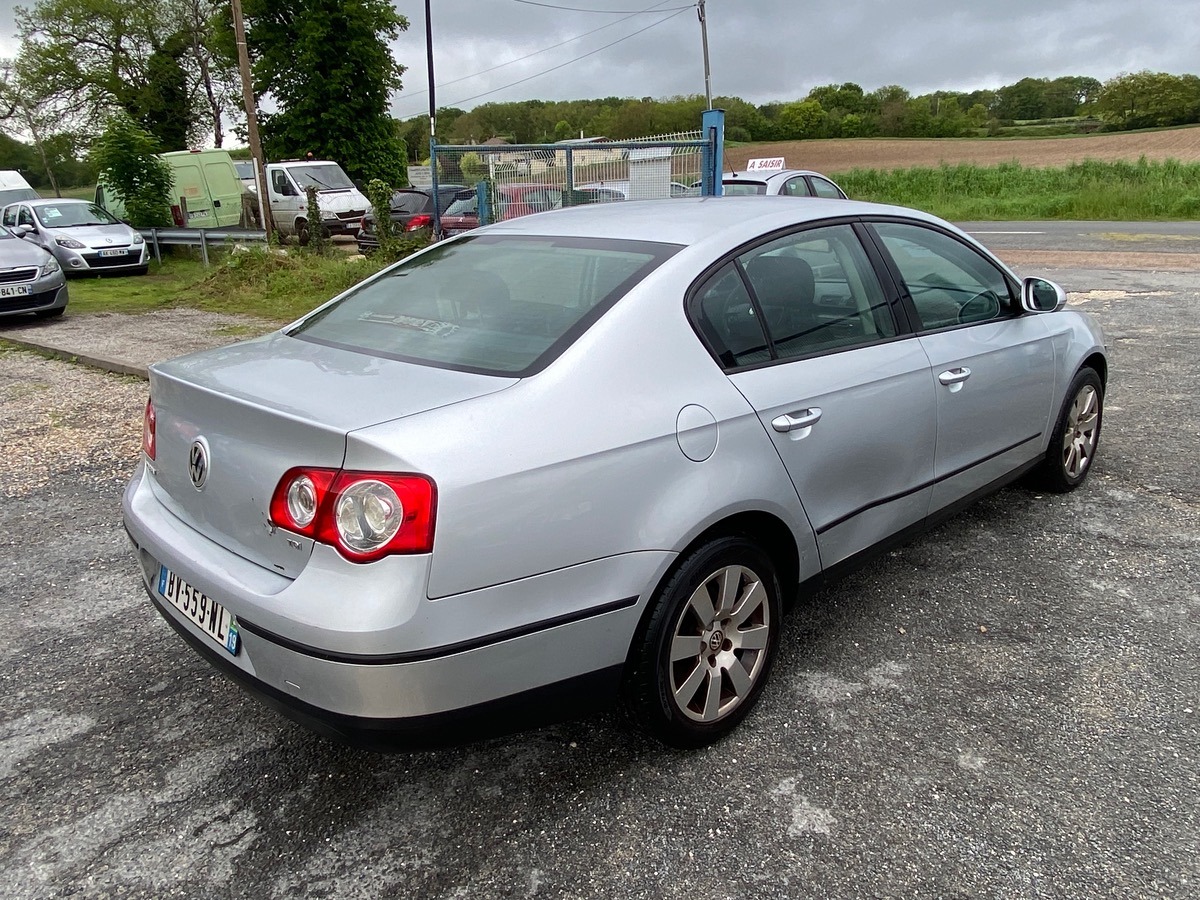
x: 495, y: 659
x: 570, y: 698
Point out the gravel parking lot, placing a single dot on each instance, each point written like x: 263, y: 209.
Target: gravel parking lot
x: 1008, y: 707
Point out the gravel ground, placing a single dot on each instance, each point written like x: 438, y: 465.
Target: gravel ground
x: 1008, y: 707
x: 57, y: 418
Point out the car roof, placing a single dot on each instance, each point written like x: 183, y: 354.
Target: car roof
x: 692, y: 220
x: 766, y: 176
x: 52, y: 201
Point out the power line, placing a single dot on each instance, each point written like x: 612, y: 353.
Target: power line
x: 577, y: 37
x: 678, y: 12
x: 611, y: 12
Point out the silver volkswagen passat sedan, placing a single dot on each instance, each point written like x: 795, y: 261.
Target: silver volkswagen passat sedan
x: 585, y: 455
x: 84, y: 237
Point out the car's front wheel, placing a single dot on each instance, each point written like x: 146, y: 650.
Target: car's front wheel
x: 702, y: 655
x: 1076, y: 435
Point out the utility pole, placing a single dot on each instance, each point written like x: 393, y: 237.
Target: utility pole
x: 437, y: 215
x: 704, y: 40
x: 260, y: 177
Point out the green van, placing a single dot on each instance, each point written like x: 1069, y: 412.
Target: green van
x: 204, y: 183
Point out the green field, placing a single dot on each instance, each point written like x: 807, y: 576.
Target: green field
x: 1115, y: 191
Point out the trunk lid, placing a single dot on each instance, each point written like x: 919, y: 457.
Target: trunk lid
x: 260, y: 408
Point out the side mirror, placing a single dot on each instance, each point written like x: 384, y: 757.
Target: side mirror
x: 1041, y: 296
x: 22, y: 230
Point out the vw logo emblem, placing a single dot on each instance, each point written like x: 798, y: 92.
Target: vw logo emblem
x: 198, y: 463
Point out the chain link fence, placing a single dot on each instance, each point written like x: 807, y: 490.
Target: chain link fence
x: 501, y: 181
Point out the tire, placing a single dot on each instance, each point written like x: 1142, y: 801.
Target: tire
x: 720, y: 611
x: 50, y: 313
x: 1076, y: 435
x: 302, y: 235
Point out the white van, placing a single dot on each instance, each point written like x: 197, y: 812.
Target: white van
x: 14, y: 188
x: 342, y: 204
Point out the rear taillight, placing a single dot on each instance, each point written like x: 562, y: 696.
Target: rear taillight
x: 148, y: 442
x: 364, y: 515
x: 362, y: 224
x: 419, y: 222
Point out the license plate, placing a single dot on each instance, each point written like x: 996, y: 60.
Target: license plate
x: 209, y: 615
x: 16, y: 290
x: 113, y: 252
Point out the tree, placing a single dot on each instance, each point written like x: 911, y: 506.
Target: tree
x: 1149, y: 99
x: 802, y: 120
x: 327, y: 66
x: 126, y: 155
x: 87, y: 58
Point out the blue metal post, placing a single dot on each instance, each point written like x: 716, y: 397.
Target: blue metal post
x: 712, y: 123
x: 483, y: 203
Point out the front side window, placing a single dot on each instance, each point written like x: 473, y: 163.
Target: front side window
x: 10, y: 216
x: 950, y: 282
x: 494, y: 304
x: 25, y: 217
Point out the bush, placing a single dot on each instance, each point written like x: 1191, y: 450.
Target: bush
x: 126, y: 158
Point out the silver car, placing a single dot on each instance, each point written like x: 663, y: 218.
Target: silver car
x: 31, y: 280
x: 84, y: 237
x: 786, y: 182
x: 584, y: 456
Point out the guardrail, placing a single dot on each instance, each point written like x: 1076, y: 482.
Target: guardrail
x: 197, y: 237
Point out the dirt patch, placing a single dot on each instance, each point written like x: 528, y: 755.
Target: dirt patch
x: 834, y: 156
x: 1028, y: 260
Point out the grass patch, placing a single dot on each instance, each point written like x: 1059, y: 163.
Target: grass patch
x: 255, y: 283
x: 1089, y: 190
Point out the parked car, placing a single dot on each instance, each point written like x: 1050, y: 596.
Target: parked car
x: 585, y: 455
x: 411, y: 209
x: 787, y: 182
x: 514, y: 200
x: 84, y: 237
x: 640, y: 191
x: 31, y: 280
x: 245, y: 173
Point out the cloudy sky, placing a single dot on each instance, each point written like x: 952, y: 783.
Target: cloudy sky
x: 764, y: 50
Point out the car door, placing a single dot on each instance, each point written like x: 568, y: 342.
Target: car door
x: 992, y: 367
x: 843, y: 394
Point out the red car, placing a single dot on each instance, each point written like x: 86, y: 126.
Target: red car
x: 513, y: 200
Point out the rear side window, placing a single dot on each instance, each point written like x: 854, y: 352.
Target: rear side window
x: 823, y: 188
x: 494, y: 304
x: 803, y: 294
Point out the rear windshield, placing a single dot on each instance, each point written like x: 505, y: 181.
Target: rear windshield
x: 743, y: 188
x: 494, y: 304
x: 409, y: 202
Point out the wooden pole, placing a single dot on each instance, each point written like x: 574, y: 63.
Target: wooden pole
x: 260, y: 177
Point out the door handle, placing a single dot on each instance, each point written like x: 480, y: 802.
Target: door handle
x: 955, y: 376
x: 802, y: 418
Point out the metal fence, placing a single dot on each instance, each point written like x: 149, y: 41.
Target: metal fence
x: 501, y: 181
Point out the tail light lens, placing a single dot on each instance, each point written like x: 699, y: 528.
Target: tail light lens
x: 364, y: 515
x: 149, y: 445
x: 419, y: 222
x: 362, y: 224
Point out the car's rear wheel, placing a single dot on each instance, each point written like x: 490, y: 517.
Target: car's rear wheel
x: 1076, y: 435
x: 702, y: 655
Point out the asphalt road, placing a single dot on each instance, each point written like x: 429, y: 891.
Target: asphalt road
x: 1008, y: 707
